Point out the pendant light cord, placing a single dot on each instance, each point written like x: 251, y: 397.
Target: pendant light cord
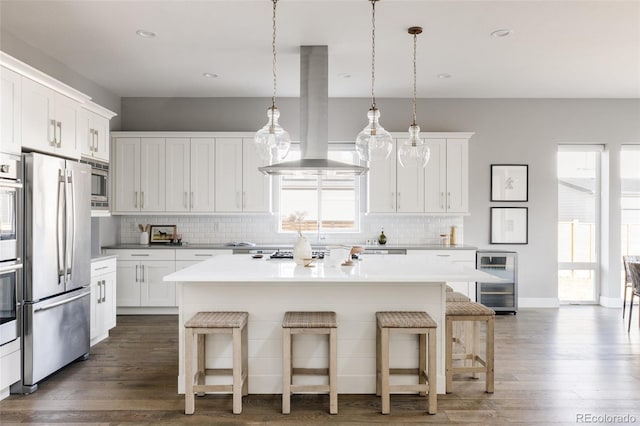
x: 273, y: 49
x: 373, y: 53
x: 415, y: 40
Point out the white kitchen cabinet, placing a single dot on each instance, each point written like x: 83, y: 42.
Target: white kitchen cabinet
x: 10, y: 110
x: 10, y: 366
x: 139, y: 278
x: 457, y: 256
x: 139, y: 175
x: 240, y: 187
x: 103, y: 298
x: 190, y: 174
x: 441, y: 187
x: 49, y: 120
x: 190, y: 257
x: 93, y: 135
x: 447, y: 176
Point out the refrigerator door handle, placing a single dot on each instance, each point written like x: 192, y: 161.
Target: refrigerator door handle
x: 61, y: 227
x: 62, y: 302
x: 71, y: 223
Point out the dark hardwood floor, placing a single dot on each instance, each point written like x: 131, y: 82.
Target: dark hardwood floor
x: 552, y: 366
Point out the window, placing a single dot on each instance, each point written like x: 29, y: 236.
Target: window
x: 321, y: 204
x: 629, y: 203
x: 578, y: 223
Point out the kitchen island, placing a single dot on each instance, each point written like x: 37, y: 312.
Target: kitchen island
x: 267, y: 288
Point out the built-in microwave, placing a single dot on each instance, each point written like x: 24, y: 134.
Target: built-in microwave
x: 99, y: 184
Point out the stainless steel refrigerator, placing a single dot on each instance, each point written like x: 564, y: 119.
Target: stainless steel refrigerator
x: 57, y: 271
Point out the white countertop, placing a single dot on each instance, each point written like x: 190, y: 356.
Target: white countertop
x: 381, y: 268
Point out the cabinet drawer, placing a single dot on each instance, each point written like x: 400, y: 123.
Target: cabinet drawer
x: 100, y: 267
x: 142, y: 255
x: 190, y: 254
x: 452, y: 255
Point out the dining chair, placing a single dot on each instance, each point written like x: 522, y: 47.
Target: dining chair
x: 627, y: 282
x: 634, y: 270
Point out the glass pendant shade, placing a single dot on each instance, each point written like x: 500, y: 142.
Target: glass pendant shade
x: 272, y: 141
x: 414, y: 152
x: 374, y: 143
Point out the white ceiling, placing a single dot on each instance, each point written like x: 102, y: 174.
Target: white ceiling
x: 558, y: 49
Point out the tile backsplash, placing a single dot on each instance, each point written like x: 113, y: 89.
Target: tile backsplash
x: 262, y: 229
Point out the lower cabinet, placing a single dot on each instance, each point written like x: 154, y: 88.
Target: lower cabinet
x: 103, y: 298
x: 10, y: 362
x: 458, y: 256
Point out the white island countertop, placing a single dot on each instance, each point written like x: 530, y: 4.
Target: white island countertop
x: 379, y: 268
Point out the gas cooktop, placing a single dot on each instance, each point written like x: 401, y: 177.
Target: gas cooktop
x: 288, y: 254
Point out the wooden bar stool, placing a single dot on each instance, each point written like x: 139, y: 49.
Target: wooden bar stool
x: 475, y: 313
x: 196, y: 329
x: 309, y: 323
x: 454, y: 296
x: 421, y: 324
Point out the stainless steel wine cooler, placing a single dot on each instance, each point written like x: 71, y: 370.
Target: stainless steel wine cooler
x: 501, y: 297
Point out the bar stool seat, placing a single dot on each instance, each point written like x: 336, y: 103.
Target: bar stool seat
x: 196, y: 329
x: 309, y: 323
x: 475, y: 313
x: 454, y: 296
x: 418, y: 323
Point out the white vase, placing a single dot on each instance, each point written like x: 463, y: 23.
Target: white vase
x: 144, y: 238
x: 302, y: 250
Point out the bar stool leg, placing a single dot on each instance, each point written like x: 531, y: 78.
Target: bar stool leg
x: 286, y: 370
x: 432, y: 373
x: 245, y: 361
x: 201, y: 358
x: 448, y: 341
x: 333, y: 371
x: 384, y: 364
x: 378, y: 362
x: 422, y: 361
x: 237, y: 371
x: 189, y: 399
x: 490, y: 354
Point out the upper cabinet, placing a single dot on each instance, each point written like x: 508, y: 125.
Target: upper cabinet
x: 439, y: 188
x: 10, y: 109
x: 40, y: 113
x: 240, y: 187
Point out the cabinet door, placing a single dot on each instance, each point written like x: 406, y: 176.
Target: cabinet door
x: 154, y: 291
x: 228, y: 171
x: 66, y: 116
x: 457, y: 175
x: 96, y: 286
x: 84, y: 133
x: 126, y: 175
x: 202, y: 196
x: 435, y: 185
x: 382, y: 185
x: 409, y: 188
x: 108, y: 301
x: 178, y: 175
x: 38, y: 122
x: 128, y: 278
x: 256, y: 187
x: 100, y: 126
x: 152, y: 174
x: 10, y: 110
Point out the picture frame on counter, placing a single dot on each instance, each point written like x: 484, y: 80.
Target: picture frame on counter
x: 509, y: 225
x: 162, y: 234
x: 510, y: 182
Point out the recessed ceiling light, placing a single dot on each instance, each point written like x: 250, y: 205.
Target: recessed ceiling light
x: 444, y: 75
x: 146, y: 33
x: 503, y: 32
x: 209, y: 75
x: 344, y: 75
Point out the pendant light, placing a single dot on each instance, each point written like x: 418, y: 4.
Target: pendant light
x: 373, y: 142
x: 272, y: 141
x: 414, y: 152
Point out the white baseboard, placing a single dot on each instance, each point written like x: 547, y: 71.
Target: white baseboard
x: 538, y: 302
x: 611, y: 302
x: 4, y: 393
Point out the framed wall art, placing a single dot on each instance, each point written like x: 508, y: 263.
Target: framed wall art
x: 161, y: 234
x: 509, y: 225
x: 509, y: 182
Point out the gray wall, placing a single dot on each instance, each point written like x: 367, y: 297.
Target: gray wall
x: 523, y: 131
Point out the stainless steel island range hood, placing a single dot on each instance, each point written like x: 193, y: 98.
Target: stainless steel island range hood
x: 314, y: 122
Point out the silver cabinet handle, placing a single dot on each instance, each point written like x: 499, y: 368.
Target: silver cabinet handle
x: 135, y: 199
x: 140, y: 255
x: 101, y: 268
x: 442, y: 200
x: 59, y: 125
x: 203, y: 255
x: 99, y: 291
x: 104, y: 288
x: 184, y: 199
x: 448, y: 200
x: 95, y: 133
x: 52, y: 141
x: 137, y: 273
x: 191, y: 199
x: 392, y: 203
x: 142, y: 267
x: 90, y: 141
x: 142, y: 199
x: 398, y: 204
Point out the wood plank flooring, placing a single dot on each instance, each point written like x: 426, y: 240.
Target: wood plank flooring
x: 552, y: 365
